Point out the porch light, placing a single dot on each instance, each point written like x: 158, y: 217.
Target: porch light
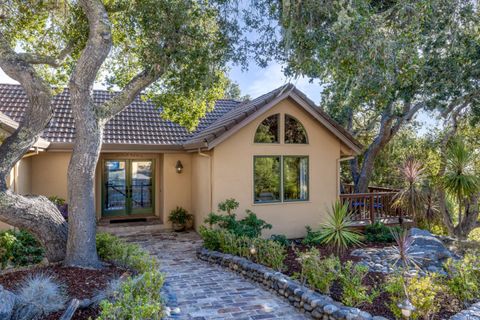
x: 407, y: 308
x: 179, y: 166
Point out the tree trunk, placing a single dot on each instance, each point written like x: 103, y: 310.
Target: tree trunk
x: 40, y: 217
x: 81, y: 248
x: 35, y: 214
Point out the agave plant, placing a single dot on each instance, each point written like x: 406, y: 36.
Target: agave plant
x: 337, y: 231
x: 411, y: 198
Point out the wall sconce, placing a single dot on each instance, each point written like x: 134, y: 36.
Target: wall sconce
x: 179, y: 167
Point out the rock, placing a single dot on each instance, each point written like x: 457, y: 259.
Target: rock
x: 425, y: 246
x: 330, y: 309
x: 7, y: 302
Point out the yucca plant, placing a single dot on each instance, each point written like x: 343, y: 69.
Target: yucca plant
x: 403, y: 247
x: 337, y: 231
x: 459, y: 179
x: 411, y: 198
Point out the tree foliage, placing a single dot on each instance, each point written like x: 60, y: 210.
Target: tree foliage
x: 379, y: 62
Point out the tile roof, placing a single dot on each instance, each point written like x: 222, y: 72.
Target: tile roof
x: 139, y: 123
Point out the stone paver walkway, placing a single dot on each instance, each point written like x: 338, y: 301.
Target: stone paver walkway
x: 204, y: 291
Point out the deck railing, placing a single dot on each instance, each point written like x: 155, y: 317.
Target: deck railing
x: 349, y: 188
x: 367, y: 208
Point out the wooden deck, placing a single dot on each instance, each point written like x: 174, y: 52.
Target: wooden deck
x: 375, y: 205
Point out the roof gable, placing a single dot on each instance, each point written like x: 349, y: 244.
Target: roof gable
x: 233, y: 121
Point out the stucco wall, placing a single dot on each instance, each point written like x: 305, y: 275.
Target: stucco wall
x: 201, y: 186
x: 177, y: 187
x: 49, y: 174
x: 233, y: 172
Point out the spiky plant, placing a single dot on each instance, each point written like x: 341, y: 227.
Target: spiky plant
x: 460, y: 179
x: 44, y: 292
x: 403, y: 246
x: 411, y: 198
x: 337, y: 231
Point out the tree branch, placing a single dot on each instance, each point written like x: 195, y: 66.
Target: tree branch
x: 52, y: 61
x: 37, y: 115
x: 128, y: 94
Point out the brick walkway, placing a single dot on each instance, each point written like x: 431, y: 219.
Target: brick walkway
x: 204, y: 291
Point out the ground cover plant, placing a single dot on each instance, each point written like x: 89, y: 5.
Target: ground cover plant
x: 19, y: 248
x: 127, y: 287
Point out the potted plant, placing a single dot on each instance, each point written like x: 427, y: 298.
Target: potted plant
x: 179, y: 217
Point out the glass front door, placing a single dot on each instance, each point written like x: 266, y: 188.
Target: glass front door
x: 128, y: 187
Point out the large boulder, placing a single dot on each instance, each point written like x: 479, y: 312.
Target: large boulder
x: 7, y: 303
x: 427, y: 247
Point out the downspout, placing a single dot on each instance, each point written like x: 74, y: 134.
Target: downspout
x: 209, y: 157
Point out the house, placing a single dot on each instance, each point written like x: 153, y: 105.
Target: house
x: 278, y: 155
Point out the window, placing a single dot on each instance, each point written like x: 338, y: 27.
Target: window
x: 267, y: 176
x: 295, y: 178
x: 280, y: 178
x: 268, y: 130
x: 294, y: 131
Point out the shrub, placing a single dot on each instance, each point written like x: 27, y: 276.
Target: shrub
x: 475, y: 235
x: 137, y: 298
x: 269, y: 253
x: 379, y: 232
x: 266, y: 252
x: 423, y: 292
x: 179, y: 215
x: 281, y: 239
x: 337, y: 231
x: 250, y: 226
x: 129, y: 255
x: 319, y: 273
x: 43, y: 292
x: 228, y: 205
x: 312, y: 237
x: 394, y: 286
x: 19, y: 248
x: 61, y: 205
x: 134, y: 298
x: 463, y: 279
x: 354, y: 292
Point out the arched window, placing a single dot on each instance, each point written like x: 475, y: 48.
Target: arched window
x: 268, y: 130
x: 294, y: 131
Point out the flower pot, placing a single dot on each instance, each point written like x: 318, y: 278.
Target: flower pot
x: 178, y: 226
x: 189, y: 224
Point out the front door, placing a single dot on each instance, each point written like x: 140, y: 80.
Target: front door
x: 128, y: 187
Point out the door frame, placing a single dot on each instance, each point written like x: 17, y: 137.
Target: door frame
x: 128, y: 211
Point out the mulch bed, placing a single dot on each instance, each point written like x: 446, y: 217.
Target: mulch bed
x: 372, y: 280
x: 80, y: 283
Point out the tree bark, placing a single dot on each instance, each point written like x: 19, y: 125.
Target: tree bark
x: 389, y: 126
x: 81, y: 246
x: 35, y: 214
x: 39, y: 216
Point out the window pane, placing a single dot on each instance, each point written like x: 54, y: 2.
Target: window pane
x: 142, y: 187
x: 267, y: 131
x: 295, y: 178
x: 267, y: 179
x: 294, y: 131
x: 115, y: 185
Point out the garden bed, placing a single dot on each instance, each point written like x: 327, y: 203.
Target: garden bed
x: 79, y: 283
x: 372, y: 280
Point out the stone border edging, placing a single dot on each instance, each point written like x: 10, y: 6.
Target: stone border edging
x: 472, y: 313
x: 312, y: 303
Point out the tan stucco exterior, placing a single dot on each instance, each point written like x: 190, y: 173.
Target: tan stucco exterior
x: 210, y: 177
x: 233, y: 172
